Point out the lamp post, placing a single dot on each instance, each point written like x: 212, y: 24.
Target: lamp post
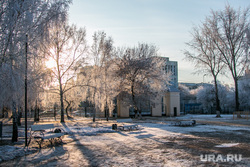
x: 26, y: 62
x: 203, y: 78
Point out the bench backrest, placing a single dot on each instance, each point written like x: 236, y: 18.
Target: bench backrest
x: 124, y: 120
x: 41, y: 127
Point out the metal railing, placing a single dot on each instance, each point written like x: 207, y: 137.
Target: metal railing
x: 241, y: 115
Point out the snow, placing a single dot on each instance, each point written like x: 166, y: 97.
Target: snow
x: 157, y: 143
x: 206, y: 117
x: 10, y: 152
x: 227, y: 145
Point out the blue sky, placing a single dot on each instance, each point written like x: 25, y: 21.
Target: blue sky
x: 164, y: 23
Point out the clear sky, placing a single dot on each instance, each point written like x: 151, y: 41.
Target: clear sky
x: 164, y: 23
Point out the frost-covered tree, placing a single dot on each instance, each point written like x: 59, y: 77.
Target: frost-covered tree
x: 31, y: 17
x: 101, y: 90
x: 140, y: 75
x: 227, y: 98
x: 227, y: 30
x: 205, y: 95
x: 207, y: 58
x: 19, y: 18
x: 65, y: 47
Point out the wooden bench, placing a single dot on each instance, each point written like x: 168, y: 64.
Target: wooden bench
x: 185, y: 123
x: 45, y: 131
x: 128, y: 127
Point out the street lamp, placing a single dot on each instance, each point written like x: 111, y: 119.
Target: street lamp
x: 203, y: 78
x: 26, y: 64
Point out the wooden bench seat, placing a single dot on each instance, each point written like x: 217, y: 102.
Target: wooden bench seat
x: 127, y: 127
x: 185, y: 123
x: 45, y: 131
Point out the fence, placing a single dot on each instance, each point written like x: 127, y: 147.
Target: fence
x: 241, y: 114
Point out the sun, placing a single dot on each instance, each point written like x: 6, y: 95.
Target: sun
x: 50, y: 63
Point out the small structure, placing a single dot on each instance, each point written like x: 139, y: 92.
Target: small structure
x: 168, y: 105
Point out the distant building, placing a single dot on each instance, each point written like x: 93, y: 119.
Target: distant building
x: 172, y: 67
x: 168, y: 105
x: 171, y: 101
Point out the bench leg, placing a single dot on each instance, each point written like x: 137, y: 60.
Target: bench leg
x: 60, y: 139
x: 39, y: 142
x: 29, y: 140
x: 55, y: 140
x: 51, y: 141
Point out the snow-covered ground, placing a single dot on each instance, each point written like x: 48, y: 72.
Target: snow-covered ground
x: 157, y: 143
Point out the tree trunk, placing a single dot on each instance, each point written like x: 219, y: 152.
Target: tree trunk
x: 218, y: 108
x: 61, y: 94
x: 19, y: 116
x: 94, y: 114
x: 15, y: 127
x: 71, y: 110
x: 237, y: 103
x: 35, y: 115
x: 38, y: 110
x: 94, y: 109
x: 85, y: 109
x: 67, y: 112
x: 238, y: 114
x: 67, y: 108
x: 106, y: 111
x: 133, y: 100
x: 62, y: 105
x: 55, y: 112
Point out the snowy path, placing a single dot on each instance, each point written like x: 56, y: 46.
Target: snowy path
x: 156, y: 144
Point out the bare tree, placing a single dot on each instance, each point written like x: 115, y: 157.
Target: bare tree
x: 66, y: 47
x: 18, y: 18
x: 102, y: 90
x: 140, y: 73
x: 207, y: 58
x: 227, y: 30
x: 32, y: 17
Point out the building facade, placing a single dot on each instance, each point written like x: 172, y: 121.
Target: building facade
x: 168, y: 105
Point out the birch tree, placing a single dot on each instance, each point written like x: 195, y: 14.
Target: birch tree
x: 66, y: 47
x: 102, y: 87
x: 32, y: 17
x: 206, y: 97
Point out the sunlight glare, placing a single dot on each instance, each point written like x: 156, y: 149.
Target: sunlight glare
x: 50, y: 63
